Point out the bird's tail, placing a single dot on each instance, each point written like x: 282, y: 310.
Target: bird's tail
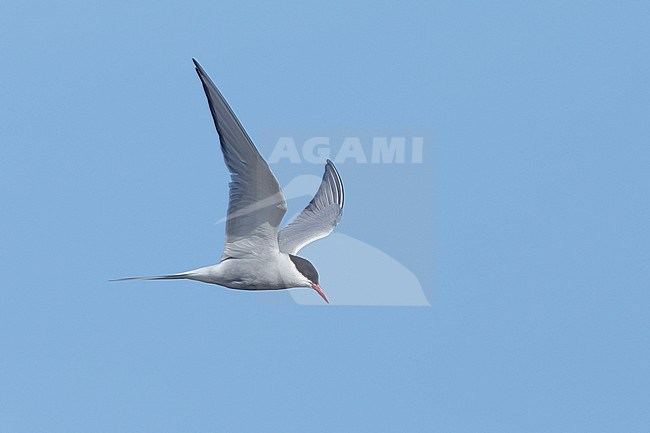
x: 180, y: 276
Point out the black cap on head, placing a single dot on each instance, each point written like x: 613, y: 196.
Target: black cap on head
x: 305, y: 267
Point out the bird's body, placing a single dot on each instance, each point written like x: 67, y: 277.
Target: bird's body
x: 257, y: 255
x: 267, y: 272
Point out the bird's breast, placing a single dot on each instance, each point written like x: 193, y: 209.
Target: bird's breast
x: 257, y: 273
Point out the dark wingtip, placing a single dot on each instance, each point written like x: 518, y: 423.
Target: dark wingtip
x: 338, y: 181
x: 199, y: 70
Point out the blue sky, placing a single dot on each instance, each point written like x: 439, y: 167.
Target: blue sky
x: 526, y: 224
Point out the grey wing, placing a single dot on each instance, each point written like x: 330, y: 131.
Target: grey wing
x: 320, y: 216
x: 256, y: 205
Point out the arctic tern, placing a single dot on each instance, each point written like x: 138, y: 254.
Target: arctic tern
x: 256, y: 255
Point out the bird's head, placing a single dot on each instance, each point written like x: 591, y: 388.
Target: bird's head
x: 310, y: 274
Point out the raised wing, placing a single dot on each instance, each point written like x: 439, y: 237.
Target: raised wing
x: 320, y: 216
x: 256, y: 205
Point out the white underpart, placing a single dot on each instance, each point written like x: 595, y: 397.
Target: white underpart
x: 271, y: 272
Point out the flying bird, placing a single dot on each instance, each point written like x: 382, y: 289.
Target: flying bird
x: 256, y: 255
